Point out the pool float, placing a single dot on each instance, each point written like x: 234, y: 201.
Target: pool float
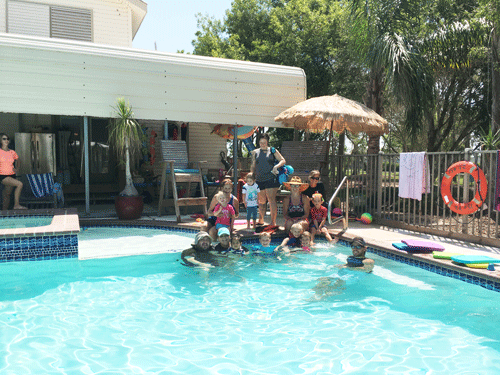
x: 481, y: 187
x: 443, y: 255
x: 401, y: 246
x: 474, y: 259
x: 475, y: 265
x: 418, y: 245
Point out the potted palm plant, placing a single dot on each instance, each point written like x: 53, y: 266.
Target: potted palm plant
x: 125, y: 137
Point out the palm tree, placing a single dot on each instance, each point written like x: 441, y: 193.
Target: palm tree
x: 125, y: 136
x: 407, y: 58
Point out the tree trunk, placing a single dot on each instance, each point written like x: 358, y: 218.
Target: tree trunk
x: 374, y: 101
x: 130, y: 189
x: 495, y: 80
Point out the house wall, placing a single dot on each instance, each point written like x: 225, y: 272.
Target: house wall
x: 61, y: 77
x: 203, y: 146
x: 111, y: 19
x: 3, y: 16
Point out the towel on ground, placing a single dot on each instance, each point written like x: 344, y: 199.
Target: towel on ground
x: 414, y: 177
x: 41, y: 184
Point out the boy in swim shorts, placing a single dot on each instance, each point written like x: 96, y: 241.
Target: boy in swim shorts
x: 319, y: 214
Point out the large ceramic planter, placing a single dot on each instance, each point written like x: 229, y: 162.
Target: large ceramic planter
x: 129, y: 208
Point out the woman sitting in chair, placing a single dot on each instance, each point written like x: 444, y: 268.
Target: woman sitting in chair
x: 9, y: 160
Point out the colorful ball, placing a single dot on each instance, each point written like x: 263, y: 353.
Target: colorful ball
x: 337, y: 211
x: 366, y: 218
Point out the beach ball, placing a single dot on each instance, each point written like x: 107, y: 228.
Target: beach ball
x: 366, y: 218
x: 337, y: 211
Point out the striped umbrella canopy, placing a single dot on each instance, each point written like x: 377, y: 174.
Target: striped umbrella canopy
x: 333, y: 113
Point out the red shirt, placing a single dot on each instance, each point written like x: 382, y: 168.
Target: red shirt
x: 7, y: 162
x: 318, y: 214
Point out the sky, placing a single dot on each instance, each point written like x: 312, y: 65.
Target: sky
x: 172, y: 24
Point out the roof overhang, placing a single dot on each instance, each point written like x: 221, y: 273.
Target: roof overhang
x: 139, y: 10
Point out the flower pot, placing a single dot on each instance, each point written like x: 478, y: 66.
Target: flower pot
x: 129, y: 208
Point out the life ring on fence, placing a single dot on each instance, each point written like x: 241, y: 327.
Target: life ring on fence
x: 481, y: 187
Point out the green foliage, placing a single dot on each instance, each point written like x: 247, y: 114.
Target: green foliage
x: 489, y: 140
x: 303, y: 33
x: 433, y: 64
x: 125, y: 133
x: 431, y: 58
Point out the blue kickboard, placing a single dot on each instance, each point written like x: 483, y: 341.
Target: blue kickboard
x: 400, y: 246
x: 404, y: 247
x: 471, y: 259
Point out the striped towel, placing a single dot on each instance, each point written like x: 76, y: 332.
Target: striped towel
x: 41, y: 184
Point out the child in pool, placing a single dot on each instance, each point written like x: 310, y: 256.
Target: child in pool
x: 224, y: 212
x: 198, y: 255
x: 305, y: 241
x: 319, y: 214
x: 224, y: 245
x: 265, y: 244
x: 236, y: 246
x: 357, y: 260
x: 293, y: 239
x: 305, y: 244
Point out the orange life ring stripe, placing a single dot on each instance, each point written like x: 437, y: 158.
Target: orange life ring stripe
x: 481, y: 187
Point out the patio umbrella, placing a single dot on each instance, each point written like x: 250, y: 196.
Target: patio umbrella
x: 333, y: 113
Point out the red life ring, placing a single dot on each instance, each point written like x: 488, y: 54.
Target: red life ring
x: 481, y: 187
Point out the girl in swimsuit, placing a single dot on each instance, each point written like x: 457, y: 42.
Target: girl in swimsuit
x: 226, y: 188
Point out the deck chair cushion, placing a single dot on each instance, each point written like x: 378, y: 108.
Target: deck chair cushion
x: 184, y: 170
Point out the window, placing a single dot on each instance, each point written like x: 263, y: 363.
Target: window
x: 71, y: 23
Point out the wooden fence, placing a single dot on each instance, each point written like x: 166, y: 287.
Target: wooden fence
x: 374, y: 188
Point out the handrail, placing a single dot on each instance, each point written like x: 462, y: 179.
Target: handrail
x: 344, y: 180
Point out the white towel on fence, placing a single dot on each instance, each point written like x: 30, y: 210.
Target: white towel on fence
x: 414, y: 177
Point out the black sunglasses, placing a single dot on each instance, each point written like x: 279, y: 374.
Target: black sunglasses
x: 314, y: 178
x: 5, y: 139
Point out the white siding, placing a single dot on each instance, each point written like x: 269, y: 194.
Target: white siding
x: 111, y: 19
x: 55, y: 76
x: 205, y: 146
x: 3, y: 16
x: 28, y: 19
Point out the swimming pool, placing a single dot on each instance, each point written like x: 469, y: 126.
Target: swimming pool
x: 150, y: 314
x: 24, y: 221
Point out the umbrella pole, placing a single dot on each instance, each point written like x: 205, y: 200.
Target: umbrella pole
x: 235, y: 160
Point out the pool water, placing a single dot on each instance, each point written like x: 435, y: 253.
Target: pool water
x: 253, y: 315
x: 10, y: 222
